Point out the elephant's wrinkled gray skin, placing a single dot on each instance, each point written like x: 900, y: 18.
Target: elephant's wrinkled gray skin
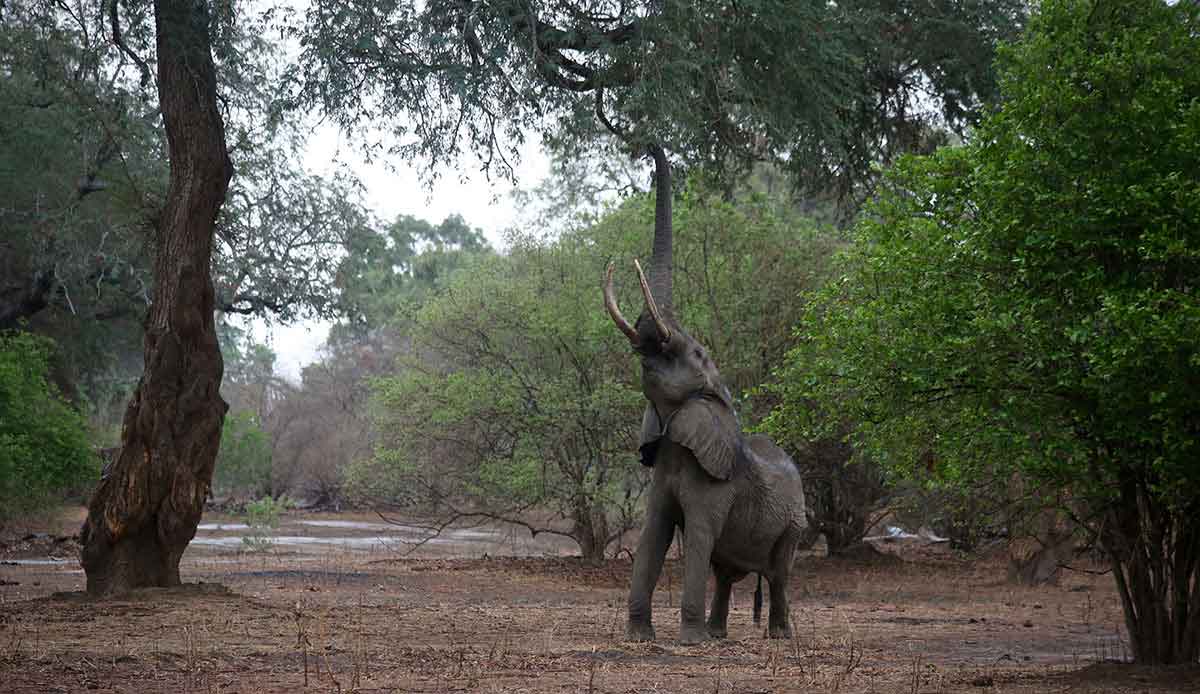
x: 738, y: 499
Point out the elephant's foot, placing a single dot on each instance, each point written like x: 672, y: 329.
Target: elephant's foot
x: 717, y: 631
x: 779, y: 632
x: 635, y: 631
x: 692, y: 635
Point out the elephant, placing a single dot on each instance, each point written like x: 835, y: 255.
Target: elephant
x: 738, y: 499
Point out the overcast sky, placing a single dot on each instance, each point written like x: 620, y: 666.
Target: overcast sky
x: 390, y: 192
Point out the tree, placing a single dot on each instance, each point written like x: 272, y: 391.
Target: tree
x: 821, y: 87
x: 1027, y: 304
x: 83, y: 176
x: 43, y: 441
x: 148, y: 504
x: 383, y: 271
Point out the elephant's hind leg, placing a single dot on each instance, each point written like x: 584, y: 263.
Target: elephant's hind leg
x: 647, y: 565
x: 779, y: 617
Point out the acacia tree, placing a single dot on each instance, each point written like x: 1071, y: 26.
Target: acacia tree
x: 149, y: 501
x: 823, y: 87
x: 1028, y: 303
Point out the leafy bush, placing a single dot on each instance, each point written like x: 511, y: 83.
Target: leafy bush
x: 1027, y: 305
x: 244, y: 460
x: 43, y: 440
x: 263, y: 517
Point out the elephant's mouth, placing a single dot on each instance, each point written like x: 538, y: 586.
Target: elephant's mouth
x: 665, y: 388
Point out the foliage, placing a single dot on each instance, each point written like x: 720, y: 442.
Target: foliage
x: 283, y: 231
x: 43, y: 441
x: 824, y: 87
x: 516, y: 403
x: 519, y: 394
x: 1027, y: 303
x: 243, y: 465
x: 262, y: 516
x: 384, y: 271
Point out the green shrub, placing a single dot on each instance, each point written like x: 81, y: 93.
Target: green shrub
x: 43, y: 440
x: 263, y: 517
x: 244, y: 461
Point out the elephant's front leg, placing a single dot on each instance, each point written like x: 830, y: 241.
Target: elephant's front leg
x: 647, y: 565
x: 718, y: 614
x: 698, y: 543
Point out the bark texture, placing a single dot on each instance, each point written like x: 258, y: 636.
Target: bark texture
x: 591, y: 532
x: 149, y: 501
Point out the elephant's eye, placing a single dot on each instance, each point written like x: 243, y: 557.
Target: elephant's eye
x: 699, y: 354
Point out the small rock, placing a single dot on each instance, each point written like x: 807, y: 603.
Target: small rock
x: 983, y: 681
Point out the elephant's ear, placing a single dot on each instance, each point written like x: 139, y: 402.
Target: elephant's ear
x: 709, y: 430
x: 652, y: 432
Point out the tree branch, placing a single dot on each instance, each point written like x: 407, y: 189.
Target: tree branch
x: 457, y: 515
x: 251, y: 304
x: 120, y: 42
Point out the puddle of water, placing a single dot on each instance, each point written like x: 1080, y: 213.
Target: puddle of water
x: 356, y: 542
x: 49, y: 561
x: 297, y: 540
x: 222, y: 526
x: 358, y: 525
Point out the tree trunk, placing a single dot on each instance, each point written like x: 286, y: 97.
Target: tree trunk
x: 591, y: 532
x: 1155, y: 555
x: 1038, y: 560
x: 146, y: 508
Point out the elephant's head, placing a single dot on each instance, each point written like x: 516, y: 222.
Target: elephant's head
x: 688, y: 401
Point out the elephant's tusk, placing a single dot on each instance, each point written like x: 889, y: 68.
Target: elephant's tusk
x: 663, y: 331
x: 610, y: 303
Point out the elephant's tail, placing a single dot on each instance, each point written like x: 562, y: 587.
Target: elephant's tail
x: 758, y: 601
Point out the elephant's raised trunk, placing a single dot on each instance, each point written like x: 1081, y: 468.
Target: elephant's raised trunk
x: 660, y: 260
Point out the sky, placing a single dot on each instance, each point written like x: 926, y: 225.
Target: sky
x: 392, y: 191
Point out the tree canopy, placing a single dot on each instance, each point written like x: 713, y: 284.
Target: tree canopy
x: 824, y: 88
x: 1028, y: 303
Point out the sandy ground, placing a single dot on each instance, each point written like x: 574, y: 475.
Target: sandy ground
x: 350, y: 607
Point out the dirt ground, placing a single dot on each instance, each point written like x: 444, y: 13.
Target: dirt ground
x: 341, y: 607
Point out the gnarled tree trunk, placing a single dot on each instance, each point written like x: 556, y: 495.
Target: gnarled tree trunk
x: 149, y: 501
